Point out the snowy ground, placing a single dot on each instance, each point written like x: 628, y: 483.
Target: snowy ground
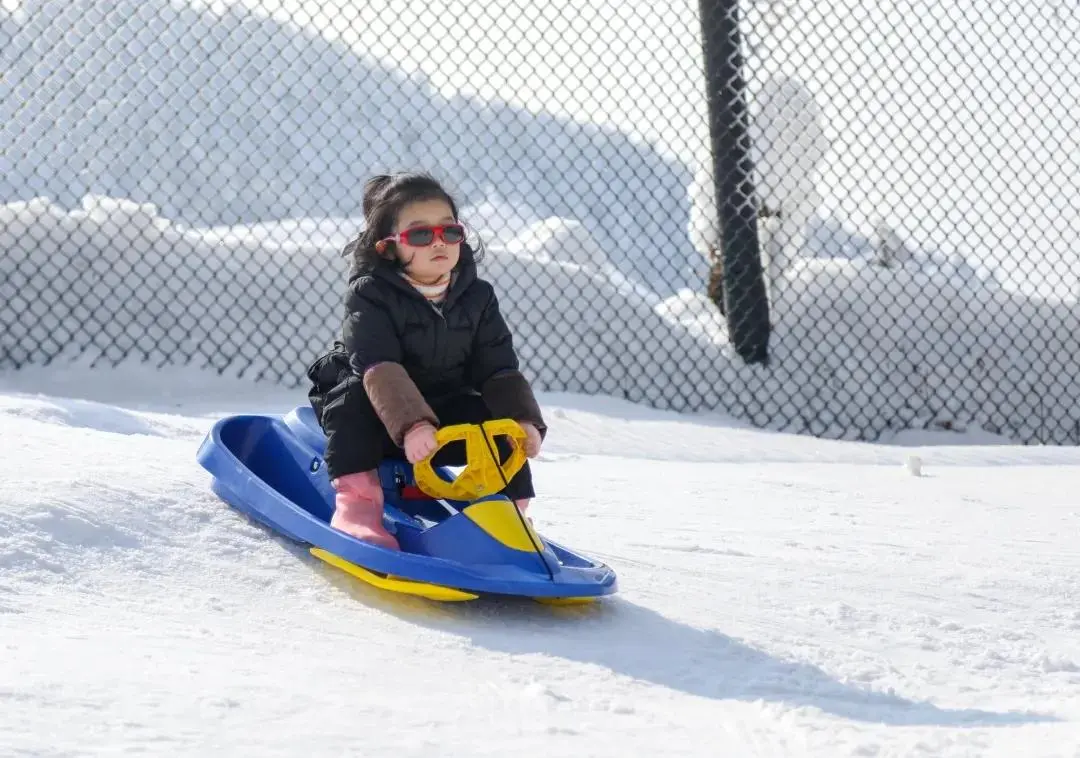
x: 780, y: 595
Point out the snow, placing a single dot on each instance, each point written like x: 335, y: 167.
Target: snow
x: 779, y: 595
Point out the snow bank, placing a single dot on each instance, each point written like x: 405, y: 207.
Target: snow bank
x: 114, y: 279
x: 83, y: 284
x: 862, y: 351
x: 879, y: 349
x: 859, y: 350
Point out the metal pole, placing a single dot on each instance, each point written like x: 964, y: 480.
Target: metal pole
x: 747, y: 306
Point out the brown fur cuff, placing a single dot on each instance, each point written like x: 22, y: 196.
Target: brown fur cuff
x: 508, y: 395
x: 396, y: 400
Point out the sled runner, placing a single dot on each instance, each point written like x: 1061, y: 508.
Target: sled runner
x: 458, y: 539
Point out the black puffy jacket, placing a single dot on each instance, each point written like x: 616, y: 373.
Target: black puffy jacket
x: 449, y: 348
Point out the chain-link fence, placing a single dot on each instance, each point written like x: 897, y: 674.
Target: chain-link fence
x: 843, y: 218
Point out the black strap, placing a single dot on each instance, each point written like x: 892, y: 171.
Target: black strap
x: 521, y: 517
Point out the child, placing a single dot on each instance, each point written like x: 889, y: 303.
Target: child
x: 423, y: 345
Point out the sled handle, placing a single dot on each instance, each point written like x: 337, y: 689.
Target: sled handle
x: 482, y: 474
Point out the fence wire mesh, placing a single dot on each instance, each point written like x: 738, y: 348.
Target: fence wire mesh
x: 881, y: 199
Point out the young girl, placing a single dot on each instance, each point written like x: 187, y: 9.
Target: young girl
x: 423, y: 345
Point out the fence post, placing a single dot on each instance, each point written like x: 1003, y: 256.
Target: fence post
x: 746, y: 304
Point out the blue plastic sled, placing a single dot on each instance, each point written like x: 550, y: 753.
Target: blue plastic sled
x: 271, y: 468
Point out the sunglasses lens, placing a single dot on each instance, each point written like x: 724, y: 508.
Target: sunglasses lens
x: 453, y: 234
x: 420, y: 237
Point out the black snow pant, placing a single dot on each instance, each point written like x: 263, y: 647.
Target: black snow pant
x: 358, y: 441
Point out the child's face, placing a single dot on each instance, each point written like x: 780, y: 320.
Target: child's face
x: 427, y: 264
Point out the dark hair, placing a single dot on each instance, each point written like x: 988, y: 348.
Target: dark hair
x: 384, y: 197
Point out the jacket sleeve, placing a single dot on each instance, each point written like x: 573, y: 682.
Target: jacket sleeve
x: 375, y: 355
x: 496, y: 372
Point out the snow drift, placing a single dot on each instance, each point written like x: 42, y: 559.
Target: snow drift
x: 114, y: 279
x: 860, y: 350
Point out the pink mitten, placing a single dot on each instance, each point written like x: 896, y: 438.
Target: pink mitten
x: 420, y: 442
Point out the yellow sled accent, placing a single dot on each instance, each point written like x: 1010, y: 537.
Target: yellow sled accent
x: 392, y: 583
x: 423, y: 589
x: 500, y: 519
x: 565, y: 601
x: 482, y: 474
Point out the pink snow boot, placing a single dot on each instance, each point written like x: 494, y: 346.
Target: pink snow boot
x: 358, y: 509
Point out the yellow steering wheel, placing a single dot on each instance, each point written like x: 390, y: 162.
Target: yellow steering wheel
x: 482, y: 474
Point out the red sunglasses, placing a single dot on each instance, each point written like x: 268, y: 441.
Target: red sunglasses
x: 422, y: 236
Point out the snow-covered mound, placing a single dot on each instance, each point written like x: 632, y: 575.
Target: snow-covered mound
x: 80, y: 284
x: 263, y: 301
x: 859, y: 350
x: 915, y: 349
x: 863, y: 351
x: 790, y: 595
